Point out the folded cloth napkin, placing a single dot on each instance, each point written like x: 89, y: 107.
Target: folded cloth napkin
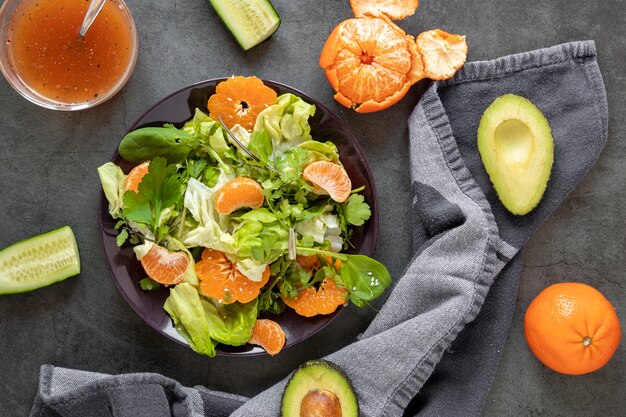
x: 465, y: 238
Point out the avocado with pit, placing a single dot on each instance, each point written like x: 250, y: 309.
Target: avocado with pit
x: 517, y: 149
x: 319, y: 389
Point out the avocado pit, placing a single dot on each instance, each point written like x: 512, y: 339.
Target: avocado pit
x: 320, y: 403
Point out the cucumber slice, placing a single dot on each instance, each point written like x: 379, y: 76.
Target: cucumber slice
x: 250, y: 21
x: 39, y: 261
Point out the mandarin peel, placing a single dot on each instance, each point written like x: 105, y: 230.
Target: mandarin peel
x: 442, y: 53
x: 371, y: 69
x: 393, y: 9
x: 370, y: 62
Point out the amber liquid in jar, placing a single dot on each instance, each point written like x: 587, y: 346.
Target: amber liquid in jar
x: 50, y: 56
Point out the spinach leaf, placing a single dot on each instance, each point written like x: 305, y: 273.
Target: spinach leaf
x: 148, y: 143
x: 364, y: 278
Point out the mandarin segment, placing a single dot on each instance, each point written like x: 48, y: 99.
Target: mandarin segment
x: 328, y: 178
x: 310, y: 301
x: 393, y: 9
x: 164, y: 266
x: 135, y: 176
x: 572, y: 328
x: 220, y: 279
x: 269, y: 335
x: 442, y: 53
x: 239, y: 193
x: 239, y: 100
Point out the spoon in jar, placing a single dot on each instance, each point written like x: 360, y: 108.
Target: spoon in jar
x: 95, y: 6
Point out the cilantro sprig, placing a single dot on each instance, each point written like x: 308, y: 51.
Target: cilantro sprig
x: 160, y: 189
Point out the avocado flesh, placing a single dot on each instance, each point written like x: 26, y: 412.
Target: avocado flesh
x: 318, y: 376
x: 517, y: 149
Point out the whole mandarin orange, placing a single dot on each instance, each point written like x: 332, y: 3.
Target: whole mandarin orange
x: 572, y: 328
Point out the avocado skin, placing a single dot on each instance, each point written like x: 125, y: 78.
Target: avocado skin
x: 319, y: 374
x: 519, y: 167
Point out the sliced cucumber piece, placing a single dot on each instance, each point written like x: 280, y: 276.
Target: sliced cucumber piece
x: 39, y: 261
x: 250, y: 21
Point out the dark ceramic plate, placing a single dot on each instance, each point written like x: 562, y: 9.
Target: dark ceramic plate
x: 179, y: 107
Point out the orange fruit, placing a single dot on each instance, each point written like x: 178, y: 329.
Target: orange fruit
x: 135, y: 176
x: 309, y: 263
x: 442, y: 53
x: 324, y: 300
x: 164, y: 266
x: 393, y: 9
x: 269, y: 335
x: 238, y: 193
x: 239, y: 100
x: 572, y: 328
x: 220, y: 279
x: 328, y: 178
x: 370, y: 62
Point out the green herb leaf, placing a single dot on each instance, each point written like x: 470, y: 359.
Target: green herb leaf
x: 271, y: 302
x: 356, y: 211
x: 148, y: 284
x: 121, y: 237
x: 159, y: 190
x: 137, y: 208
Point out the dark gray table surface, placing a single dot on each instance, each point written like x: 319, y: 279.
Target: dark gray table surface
x: 48, y: 178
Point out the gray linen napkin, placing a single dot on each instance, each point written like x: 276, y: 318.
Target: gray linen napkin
x: 465, y: 238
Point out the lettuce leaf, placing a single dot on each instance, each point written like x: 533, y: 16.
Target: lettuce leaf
x: 261, y: 236
x: 190, y: 318
x: 321, y: 151
x: 287, y: 121
x: 211, y: 229
x: 112, y: 180
x: 230, y: 324
x: 209, y: 131
x: 323, y: 227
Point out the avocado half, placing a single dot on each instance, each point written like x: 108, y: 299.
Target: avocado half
x: 319, y: 388
x: 517, y: 149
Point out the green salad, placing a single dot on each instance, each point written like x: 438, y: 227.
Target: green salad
x: 228, y: 219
